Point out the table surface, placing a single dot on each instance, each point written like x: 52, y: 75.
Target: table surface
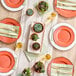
x: 23, y: 62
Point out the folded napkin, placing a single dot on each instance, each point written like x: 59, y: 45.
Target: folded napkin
x: 61, y: 69
x: 67, y: 4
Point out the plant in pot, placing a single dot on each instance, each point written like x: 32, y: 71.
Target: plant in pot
x: 38, y: 27
x: 39, y: 67
x: 26, y: 72
x: 42, y: 7
x: 34, y: 37
x: 29, y: 12
x: 36, y: 46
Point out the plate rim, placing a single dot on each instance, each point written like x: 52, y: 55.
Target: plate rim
x: 69, y: 30
x: 15, y: 57
x: 51, y: 36
x: 12, y: 9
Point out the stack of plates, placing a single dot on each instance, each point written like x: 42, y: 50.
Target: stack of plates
x: 8, y: 61
x: 13, y: 5
x: 63, y: 36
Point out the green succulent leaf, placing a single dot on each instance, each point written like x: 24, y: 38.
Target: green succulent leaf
x: 27, y: 72
x: 35, y: 37
x: 42, y: 70
x: 38, y: 27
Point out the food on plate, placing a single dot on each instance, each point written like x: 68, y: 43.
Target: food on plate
x: 26, y: 72
x: 14, y: 3
x: 34, y: 37
x: 65, y: 12
x: 19, y: 45
x: 36, y: 46
x: 10, y: 30
x: 39, y: 67
x: 42, y: 6
x: 38, y: 27
x: 29, y: 12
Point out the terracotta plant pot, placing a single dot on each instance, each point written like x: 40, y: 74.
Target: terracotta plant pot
x: 29, y: 12
x: 38, y: 27
x: 39, y: 67
x: 34, y: 37
x: 36, y: 46
x: 42, y: 6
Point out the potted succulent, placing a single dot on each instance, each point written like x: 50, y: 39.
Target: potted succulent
x: 26, y: 72
x: 39, y: 67
x: 42, y: 6
x: 38, y: 27
x: 29, y: 12
x: 34, y: 37
x: 36, y: 46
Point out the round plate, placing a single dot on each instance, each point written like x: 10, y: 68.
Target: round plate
x: 10, y: 22
x: 59, y: 60
x: 64, y: 12
x: 12, y: 8
x: 63, y: 36
x: 8, y: 61
x: 14, y: 3
x: 57, y: 38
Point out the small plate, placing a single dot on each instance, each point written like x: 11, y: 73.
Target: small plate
x: 59, y: 60
x: 63, y: 36
x: 8, y: 54
x: 12, y: 8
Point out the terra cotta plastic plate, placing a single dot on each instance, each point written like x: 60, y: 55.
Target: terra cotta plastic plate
x: 63, y: 12
x: 6, y: 61
x: 13, y: 5
x: 63, y: 36
x: 59, y: 60
x: 10, y: 21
